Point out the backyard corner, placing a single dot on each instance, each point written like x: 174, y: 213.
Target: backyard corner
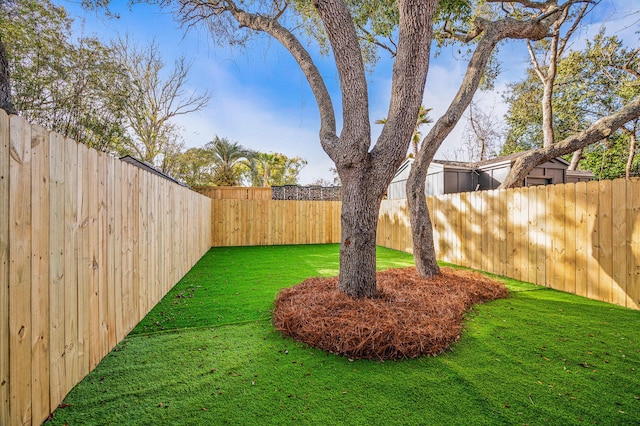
x: 208, y: 354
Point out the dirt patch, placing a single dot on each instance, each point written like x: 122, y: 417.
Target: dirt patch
x: 409, y: 317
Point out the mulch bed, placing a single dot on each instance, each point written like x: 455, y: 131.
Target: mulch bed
x: 409, y: 317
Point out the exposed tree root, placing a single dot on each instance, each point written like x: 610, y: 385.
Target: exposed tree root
x: 409, y: 317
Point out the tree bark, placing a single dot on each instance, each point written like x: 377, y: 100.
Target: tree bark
x: 598, y: 131
x: 424, y: 251
x: 5, y: 82
x: 547, y: 112
x: 359, y: 220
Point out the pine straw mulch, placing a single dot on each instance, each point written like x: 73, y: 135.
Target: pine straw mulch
x: 409, y: 317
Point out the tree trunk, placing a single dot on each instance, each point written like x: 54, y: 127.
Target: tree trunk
x: 575, y: 160
x: 547, y: 112
x: 424, y: 251
x: 421, y: 227
x: 601, y: 129
x: 632, y: 153
x: 359, y: 220
x: 5, y: 82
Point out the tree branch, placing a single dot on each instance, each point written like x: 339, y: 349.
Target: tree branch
x: 409, y: 77
x: 372, y: 39
x: 328, y: 137
x: 572, y: 29
x: 598, y: 131
x: 342, y: 35
x: 494, y: 33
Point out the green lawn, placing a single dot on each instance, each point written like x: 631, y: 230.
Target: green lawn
x: 207, y: 354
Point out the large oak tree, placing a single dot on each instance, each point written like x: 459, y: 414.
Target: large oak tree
x: 406, y: 29
x: 365, y: 168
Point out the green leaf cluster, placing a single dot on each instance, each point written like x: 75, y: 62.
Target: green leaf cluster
x: 222, y: 162
x: 71, y: 86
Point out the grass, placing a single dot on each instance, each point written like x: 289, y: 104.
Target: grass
x: 207, y: 354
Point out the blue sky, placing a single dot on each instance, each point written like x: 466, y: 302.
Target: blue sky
x: 261, y: 99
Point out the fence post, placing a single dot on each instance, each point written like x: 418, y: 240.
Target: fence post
x: 4, y: 269
x: 20, y: 270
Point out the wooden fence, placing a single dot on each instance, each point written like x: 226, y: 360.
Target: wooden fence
x: 235, y: 192
x: 274, y: 222
x: 88, y: 245
x: 581, y: 238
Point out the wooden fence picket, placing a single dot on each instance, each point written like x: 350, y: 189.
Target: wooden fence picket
x: 70, y: 266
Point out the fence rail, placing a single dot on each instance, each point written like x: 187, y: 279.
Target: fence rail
x: 88, y: 245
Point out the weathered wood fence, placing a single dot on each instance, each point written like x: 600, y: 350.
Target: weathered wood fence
x: 88, y: 245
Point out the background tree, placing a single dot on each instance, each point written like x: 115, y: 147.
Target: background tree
x: 227, y: 159
x: 154, y: 101
x: 273, y: 169
x: 546, y: 54
x: 194, y: 167
x: 72, y: 87
x: 5, y: 82
x: 483, y: 134
x: 592, y: 84
x: 604, y: 77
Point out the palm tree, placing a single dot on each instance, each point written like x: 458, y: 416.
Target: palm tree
x: 227, y: 164
x: 423, y: 118
x: 267, y: 162
x: 267, y: 169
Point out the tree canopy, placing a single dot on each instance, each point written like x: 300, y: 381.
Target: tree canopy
x: 71, y: 86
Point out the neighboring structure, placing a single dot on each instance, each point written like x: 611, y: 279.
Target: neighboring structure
x: 448, y: 177
x: 148, y: 167
x: 575, y: 176
x: 315, y: 193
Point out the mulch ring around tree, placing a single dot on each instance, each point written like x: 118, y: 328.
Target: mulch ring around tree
x: 409, y: 317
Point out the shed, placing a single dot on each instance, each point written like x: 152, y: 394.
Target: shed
x: 443, y: 177
x: 491, y: 173
x: 447, y: 177
x: 575, y: 176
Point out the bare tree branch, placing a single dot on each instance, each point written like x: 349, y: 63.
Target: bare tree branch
x: 191, y: 10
